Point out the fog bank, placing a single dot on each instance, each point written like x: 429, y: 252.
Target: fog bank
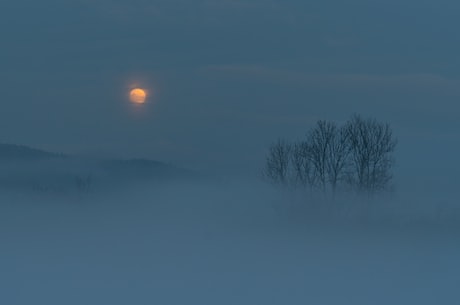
x: 218, y: 243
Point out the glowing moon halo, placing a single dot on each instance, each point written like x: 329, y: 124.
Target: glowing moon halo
x: 137, y: 96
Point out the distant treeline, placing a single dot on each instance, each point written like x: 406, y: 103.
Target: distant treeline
x: 356, y: 156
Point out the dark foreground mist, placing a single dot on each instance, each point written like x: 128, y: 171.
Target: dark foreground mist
x: 220, y: 244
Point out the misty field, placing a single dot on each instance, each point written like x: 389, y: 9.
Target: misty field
x: 216, y: 244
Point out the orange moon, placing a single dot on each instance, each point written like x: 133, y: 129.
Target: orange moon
x: 138, y: 96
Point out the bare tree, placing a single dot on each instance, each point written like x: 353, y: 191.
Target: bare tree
x: 329, y: 150
x: 303, y: 169
x: 277, y: 166
x: 319, y: 140
x: 371, y: 147
x: 337, y: 156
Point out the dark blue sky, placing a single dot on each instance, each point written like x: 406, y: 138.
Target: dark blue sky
x: 228, y: 76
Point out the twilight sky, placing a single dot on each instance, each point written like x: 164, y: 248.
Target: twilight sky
x: 228, y: 76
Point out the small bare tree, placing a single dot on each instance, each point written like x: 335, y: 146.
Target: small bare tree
x: 371, y: 147
x: 277, y: 166
x: 83, y: 183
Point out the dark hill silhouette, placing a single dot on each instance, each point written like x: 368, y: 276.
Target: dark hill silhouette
x: 22, y: 168
x: 21, y: 152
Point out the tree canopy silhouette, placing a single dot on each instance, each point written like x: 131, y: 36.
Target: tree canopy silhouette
x: 355, y: 156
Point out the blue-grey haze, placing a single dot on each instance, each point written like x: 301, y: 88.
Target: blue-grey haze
x: 228, y: 77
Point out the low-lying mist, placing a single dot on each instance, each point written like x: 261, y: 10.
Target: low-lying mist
x: 224, y: 242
